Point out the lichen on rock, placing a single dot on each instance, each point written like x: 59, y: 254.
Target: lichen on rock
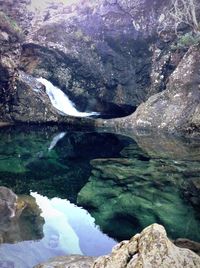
x: 149, y: 249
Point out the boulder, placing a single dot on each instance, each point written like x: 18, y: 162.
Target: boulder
x: 149, y: 249
x: 189, y: 244
x: 175, y: 110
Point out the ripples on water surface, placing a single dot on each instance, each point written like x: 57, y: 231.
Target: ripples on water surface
x: 84, y: 191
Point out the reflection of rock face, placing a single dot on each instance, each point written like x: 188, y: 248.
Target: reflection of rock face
x: 125, y: 195
x: 149, y: 249
x: 26, y: 225
x: 168, y: 147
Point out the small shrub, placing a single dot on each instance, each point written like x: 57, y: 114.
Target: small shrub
x: 187, y: 40
x: 9, y: 25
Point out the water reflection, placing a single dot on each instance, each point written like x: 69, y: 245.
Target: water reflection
x: 31, y: 158
x: 124, y: 186
x: 68, y: 229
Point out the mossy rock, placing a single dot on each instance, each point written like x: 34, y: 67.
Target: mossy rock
x: 10, y: 26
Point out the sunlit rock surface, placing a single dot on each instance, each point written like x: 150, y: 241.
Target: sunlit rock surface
x: 151, y: 248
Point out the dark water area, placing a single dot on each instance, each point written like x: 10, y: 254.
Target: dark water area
x: 84, y: 191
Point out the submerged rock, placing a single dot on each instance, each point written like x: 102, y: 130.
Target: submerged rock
x: 151, y: 248
x: 136, y: 191
x: 189, y: 244
x: 73, y: 261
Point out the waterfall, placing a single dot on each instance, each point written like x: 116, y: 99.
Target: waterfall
x: 61, y: 102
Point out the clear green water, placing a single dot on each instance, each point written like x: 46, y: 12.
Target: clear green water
x: 86, y: 190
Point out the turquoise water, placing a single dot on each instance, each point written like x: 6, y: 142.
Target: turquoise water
x: 84, y: 191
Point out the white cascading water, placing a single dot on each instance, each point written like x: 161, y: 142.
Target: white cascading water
x: 61, y: 102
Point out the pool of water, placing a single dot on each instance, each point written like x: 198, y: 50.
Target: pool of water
x: 84, y: 191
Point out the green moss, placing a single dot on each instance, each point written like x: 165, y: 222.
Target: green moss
x: 9, y: 25
x: 186, y: 40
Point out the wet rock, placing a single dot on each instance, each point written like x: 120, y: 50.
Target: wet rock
x: 8, y: 203
x: 73, y: 261
x: 30, y: 102
x: 151, y: 248
x: 186, y: 243
x: 26, y: 224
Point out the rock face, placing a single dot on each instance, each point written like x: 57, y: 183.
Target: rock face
x: 105, y: 55
x: 149, y: 249
x: 96, y: 66
x: 108, y: 56
x: 30, y: 103
x: 101, y: 53
x: 10, y: 39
